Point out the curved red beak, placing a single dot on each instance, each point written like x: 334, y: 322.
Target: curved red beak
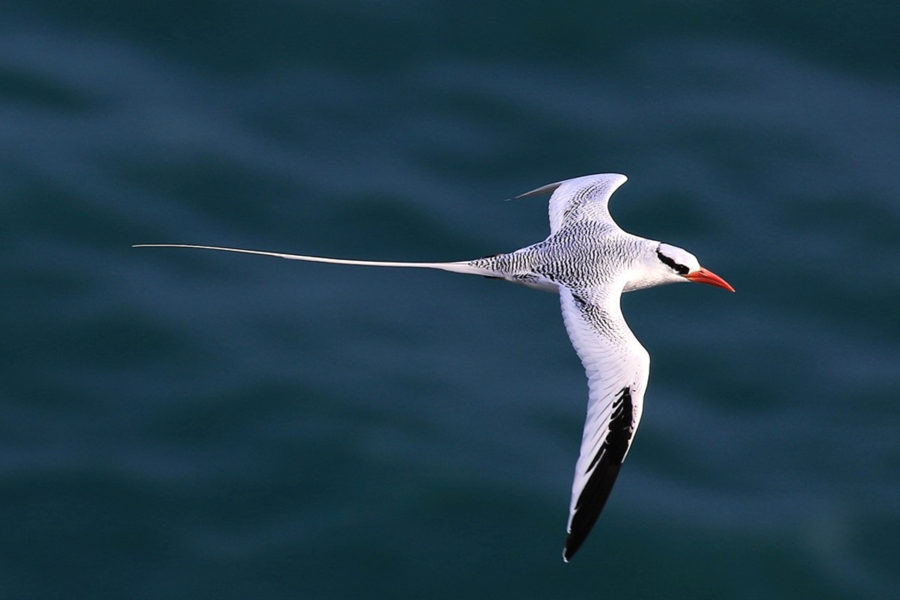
x: 704, y: 276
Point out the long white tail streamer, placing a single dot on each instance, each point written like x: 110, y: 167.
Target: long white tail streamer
x: 456, y: 267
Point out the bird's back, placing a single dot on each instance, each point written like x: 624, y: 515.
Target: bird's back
x: 586, y: 255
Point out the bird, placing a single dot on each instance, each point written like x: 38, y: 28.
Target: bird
x: 590, y: 262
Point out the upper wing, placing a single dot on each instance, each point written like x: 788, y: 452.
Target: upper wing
x: 617, y: 367
x: 580, y: 198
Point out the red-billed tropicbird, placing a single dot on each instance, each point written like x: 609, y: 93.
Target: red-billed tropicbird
x: 589, y: 261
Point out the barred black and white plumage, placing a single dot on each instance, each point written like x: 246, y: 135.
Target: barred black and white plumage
x: 590, y: 262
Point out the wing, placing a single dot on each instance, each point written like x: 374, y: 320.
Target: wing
x: 580, y: 198
x: 617, y: 367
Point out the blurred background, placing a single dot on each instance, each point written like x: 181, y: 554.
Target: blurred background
x: 182, y: 424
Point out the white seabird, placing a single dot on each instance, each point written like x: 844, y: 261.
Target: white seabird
x: 589, y: 261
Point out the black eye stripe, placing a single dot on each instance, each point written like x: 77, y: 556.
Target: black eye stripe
x: 680, y: 269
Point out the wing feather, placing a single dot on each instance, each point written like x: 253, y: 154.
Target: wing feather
x: 581, y: 197
x: 617, y: 367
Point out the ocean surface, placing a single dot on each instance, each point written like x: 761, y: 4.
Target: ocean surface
x: 185, y: 424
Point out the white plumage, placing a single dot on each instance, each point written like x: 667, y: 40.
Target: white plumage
x: 590, y: 261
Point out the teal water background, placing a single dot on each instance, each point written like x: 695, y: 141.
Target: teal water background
x: 197, y: 425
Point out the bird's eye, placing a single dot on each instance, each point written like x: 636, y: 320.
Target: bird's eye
x: 678, y: 268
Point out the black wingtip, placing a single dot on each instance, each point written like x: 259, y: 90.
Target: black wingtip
x: 590, y: 504
x: 606, y: 465
x: 579, y: 533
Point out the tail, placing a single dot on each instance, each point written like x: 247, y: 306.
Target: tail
x: 455, y: 267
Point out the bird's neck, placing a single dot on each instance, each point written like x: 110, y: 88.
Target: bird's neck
x: 646, y: 271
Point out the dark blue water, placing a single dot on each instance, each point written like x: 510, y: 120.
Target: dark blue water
x: 194, y: 425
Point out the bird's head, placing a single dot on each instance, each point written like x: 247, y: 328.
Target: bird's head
x: 675, y: 265
x: 663, y: 263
